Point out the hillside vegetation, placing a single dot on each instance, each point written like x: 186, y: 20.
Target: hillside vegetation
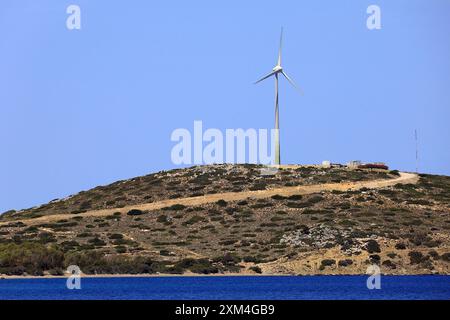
x: 191, y: 182
x: 404, y: 228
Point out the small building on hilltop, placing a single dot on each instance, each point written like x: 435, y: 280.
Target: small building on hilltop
x: 354, y: 164
x: 326, y: 164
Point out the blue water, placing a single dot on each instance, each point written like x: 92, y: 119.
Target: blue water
x: 240, y: 287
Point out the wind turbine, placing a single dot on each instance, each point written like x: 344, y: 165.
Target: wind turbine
x: 275, y: 72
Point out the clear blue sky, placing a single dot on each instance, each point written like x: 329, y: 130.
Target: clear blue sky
x: 87, y: 107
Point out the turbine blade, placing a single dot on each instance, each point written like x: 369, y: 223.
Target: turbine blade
x: 265, y: 77
x: 279, y: 49
x: 292, y: 82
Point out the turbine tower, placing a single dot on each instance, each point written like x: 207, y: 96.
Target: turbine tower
x: 275, y: 72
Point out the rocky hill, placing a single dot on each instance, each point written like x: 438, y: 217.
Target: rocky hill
x: 234, y: 219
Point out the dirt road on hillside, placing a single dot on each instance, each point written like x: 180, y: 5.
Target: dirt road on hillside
x: 404, y: 178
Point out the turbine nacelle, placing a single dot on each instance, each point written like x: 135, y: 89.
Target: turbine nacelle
x: 277, y: 69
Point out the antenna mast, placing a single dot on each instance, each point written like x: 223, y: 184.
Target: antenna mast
x: 417, y: 151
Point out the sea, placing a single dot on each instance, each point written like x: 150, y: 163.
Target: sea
x: 427, y: 287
